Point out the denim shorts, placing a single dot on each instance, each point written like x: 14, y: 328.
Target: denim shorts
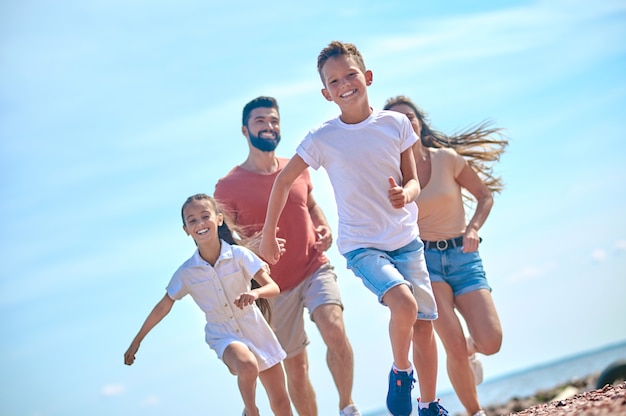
x: 462, y: 271
x: 382, y: 270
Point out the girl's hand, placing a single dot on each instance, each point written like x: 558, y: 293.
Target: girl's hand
x: 324, y: 238
x: 396, y: 193
x: 245, y: 299
x: 129, y: 355
x: 470, y: 240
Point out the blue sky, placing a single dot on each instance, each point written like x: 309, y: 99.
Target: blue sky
x: 112, y: 113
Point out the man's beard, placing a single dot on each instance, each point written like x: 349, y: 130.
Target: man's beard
x: 264, y: 145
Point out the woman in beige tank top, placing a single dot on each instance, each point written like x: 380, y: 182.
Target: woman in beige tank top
x: 454, y: 172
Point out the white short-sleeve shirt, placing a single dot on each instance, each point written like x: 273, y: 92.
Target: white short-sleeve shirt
x: 359, y: 159
x: 214, y: 289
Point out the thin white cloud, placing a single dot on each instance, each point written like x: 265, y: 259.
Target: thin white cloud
x: 112, y: 390
x: 529, y: 273
x: 547, y: 32
x: 598, y: 255
x: 150, y: 401
x: 620, y: 245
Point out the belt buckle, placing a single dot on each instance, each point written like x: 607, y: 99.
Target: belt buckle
x: 443, y: 246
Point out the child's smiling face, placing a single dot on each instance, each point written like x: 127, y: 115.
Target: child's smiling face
x: 201, y: 220
x: 344, y: 81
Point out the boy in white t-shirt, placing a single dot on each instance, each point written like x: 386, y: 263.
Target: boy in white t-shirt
x: 369, y: 159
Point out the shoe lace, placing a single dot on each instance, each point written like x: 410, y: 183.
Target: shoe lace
x: 440, y: 409
x: 433, y: 407
x: 404, y: 384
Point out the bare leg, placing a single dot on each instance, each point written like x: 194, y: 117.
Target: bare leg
x: 273, y: 380
x: 403, y: 308
x: 479, y: 312
x: 300, y: 387
x: 451, y: 333
x: 244, y: 364
x: 339, y: 357
x: 425, y: 359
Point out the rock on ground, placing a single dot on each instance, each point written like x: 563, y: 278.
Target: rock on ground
x: 609, y: 400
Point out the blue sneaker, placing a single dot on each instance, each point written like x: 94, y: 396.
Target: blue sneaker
x: 399, y: 394
x: 433, y: 409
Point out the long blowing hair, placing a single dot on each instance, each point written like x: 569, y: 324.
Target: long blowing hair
x: 481, y: 145
x: 230, y: 233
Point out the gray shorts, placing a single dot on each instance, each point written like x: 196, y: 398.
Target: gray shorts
x: 320, y: 288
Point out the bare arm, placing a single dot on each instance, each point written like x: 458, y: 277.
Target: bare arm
x: 268, y: 289
x: 162, y: 308
x: 269, y: 248
x: 469, y: 180
x: 410, y: 189
x: 324, y: 233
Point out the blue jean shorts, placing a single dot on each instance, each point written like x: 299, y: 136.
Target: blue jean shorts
x: 382, y: 270
x: 462, y: 271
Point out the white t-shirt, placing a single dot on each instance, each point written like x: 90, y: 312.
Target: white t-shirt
x: 214, y: 290
x: 359, y: 159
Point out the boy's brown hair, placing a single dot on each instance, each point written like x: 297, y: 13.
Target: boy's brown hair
x: 337, y: 48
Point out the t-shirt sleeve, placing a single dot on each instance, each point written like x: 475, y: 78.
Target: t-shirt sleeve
x: 408, y: 134
x: 309, y: 153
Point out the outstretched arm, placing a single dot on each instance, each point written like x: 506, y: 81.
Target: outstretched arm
x: 269, y: 248
x: 159, y: 312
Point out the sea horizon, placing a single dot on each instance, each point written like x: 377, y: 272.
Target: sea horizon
x: 526, y: 382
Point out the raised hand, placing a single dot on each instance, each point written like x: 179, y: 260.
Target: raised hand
x: 397, y: 194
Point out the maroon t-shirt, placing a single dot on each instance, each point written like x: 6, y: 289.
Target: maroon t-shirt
x: 244, y: 195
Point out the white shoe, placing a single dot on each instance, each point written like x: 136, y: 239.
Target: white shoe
x: 477, y: 368
x: 350, y: 410
x: 481, y: 412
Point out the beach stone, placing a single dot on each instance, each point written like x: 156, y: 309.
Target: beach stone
x: 565, y: 401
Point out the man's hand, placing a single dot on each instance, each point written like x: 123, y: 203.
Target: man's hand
x: 324, y: 238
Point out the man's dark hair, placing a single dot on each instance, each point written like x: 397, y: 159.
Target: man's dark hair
x: 259, y: 102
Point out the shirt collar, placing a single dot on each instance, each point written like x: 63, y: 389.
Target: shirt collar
x: 226, y: 252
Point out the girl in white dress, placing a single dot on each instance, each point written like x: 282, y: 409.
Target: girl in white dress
x: 227, y: 281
